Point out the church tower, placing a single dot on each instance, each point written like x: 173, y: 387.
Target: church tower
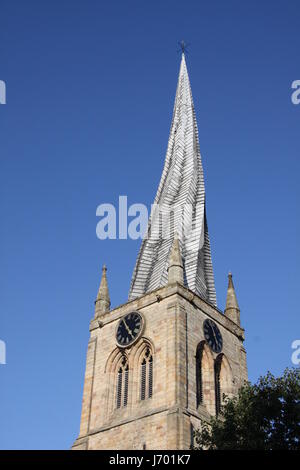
x: 160, y: 363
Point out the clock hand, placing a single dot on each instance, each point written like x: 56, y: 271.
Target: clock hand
x: 127, y: 328
x: 214, y: 334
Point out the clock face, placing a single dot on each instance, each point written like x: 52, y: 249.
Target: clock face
x: 129, y: 329
x: 212, y: 335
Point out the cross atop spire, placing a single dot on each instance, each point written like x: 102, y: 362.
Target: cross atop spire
x: 183, y: 46
x: 181, y: 192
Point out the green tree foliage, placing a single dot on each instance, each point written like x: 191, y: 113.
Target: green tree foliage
x: 263, y: 416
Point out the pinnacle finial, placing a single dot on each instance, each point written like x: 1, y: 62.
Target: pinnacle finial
x: 102, y: 304
x: 175, y: 269
x: 232, y: 309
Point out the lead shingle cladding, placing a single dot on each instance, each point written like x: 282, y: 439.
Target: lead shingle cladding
x: 181, y: 191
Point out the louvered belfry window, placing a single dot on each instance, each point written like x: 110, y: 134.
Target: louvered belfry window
x: 119, y: 387
x: 122, y: 384
x: 146, y: 375
x: 126, y: 373
x: 143, y: 379
x: 199, y: 379
x: 217, y: 387
x: 150, y: 377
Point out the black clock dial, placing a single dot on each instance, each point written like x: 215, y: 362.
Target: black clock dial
x: 212, y: 335
x: 129, y: 329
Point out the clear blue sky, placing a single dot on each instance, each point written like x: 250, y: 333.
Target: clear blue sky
x: 90, y: 91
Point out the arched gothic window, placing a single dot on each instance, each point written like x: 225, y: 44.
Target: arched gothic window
x: 223, y: 381
x: 146, y: 389
x: 122, y: 384
x: 205, y: 390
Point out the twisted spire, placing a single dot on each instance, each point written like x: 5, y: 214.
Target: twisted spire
x: 181, y: 192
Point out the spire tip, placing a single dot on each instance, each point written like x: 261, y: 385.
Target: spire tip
x: 183, y: 46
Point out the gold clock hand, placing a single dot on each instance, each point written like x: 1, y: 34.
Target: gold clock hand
x: 214, y: 334
x: 127, y: 328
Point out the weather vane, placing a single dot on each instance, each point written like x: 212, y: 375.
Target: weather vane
x: 183, y: 47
